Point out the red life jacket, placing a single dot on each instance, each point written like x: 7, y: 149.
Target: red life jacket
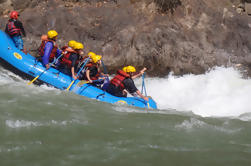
x: 94, y: 75
x: 67, y: 52
x: 42, y: 46
x: 83, y: 59
x: 12, y: 29
x: 64, y: 49
x: 119, y: 78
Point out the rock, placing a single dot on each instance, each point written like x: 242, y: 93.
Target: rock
x: 240, y: 10
x: 198, y: 36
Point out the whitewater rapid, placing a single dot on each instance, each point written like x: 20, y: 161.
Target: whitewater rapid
x: 221, y: 92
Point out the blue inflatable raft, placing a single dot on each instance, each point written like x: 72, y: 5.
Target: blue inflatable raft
x: 28, y: 66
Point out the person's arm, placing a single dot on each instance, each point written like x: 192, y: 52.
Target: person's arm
x: 47, y: 52
x: 73, y: 58
x: 104, y: 75
x: 140, y: 73
x: 73, y: 73
x: 87, y: 74
x: 142, y: 96
x: 131, y: 88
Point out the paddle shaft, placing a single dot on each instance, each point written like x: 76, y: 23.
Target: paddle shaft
x: 29, y: 83
x: 87, y: 60
x: 105, y: 70
x: 144, y: 89
x: 143, y: 85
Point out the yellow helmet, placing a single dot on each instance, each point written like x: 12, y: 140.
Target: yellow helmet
x: 78, y: 46
x: 129, y: 69
x: 90, y: 54
x: 51, y: 34
x: 96, y: 58
x: 124, y: 69
x: 71, y: 43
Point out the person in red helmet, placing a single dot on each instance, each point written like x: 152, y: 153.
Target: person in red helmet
x: 15, y: 28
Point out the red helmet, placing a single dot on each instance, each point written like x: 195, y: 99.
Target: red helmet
x: 14, y: 15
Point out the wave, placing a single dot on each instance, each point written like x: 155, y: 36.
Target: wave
x: 221, y: 92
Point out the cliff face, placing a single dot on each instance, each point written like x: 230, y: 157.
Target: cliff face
x: 197, y: 36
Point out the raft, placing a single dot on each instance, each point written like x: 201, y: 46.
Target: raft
x: 28, y: 67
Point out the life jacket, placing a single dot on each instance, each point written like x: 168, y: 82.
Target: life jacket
x: 119, y: 78
x: 83, y: 58
x: 94, y: 74
x: 45, y: 39
x: 67, y: 51
x: 12, y: 29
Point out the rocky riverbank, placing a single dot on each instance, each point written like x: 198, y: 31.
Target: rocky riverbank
x: 195, y: 37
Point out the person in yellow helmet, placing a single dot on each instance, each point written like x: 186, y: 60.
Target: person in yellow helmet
x: 71, y: 43
x: 68, y: 48
x: 48, y: 48
x: 123, y: 83
x: 90, y: 54
x: 83, y: 58
x: 69, y: 62
x: 92, y: 70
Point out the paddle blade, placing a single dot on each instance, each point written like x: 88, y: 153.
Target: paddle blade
x: 81, y: 83
x: 29, y: 83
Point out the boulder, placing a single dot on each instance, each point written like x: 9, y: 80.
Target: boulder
x: 196, y: 37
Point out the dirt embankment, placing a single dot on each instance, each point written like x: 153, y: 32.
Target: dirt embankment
x: 196, y: 37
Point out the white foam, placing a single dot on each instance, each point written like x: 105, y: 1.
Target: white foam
x: 15, y: 148
x: 221, y: 92
x: 29, y: 124
x: 21, y: 124
x: 7, y: 77
x: 193, y: 124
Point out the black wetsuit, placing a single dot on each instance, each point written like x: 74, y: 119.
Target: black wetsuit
x: 65, y: 68
x: 117, y: 91
x: 93, y: 71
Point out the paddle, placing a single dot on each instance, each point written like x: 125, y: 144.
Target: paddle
x: 81, y: 83
x: 106, y: 81
x: 105, y: 70
x: 29, y: 83
x: 143, y: 85
x: 144, y: 88
x: 86, y: 61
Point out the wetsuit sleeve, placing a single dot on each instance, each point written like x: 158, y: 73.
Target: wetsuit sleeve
x: 59, y: 52
x: 18, y: 24
x: 129, y: 85
x: 47, y: 52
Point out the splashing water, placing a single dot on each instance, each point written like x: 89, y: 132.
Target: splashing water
x: 219, y: 92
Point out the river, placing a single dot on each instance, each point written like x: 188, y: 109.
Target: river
x: 202, y: 120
